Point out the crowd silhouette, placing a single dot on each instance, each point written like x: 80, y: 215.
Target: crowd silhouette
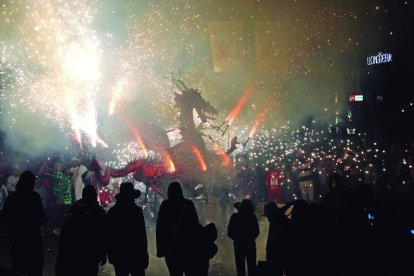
x: 23, y: 214
x: 361, y: 231
x: 80, y: 241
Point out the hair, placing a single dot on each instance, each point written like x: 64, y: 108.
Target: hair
x: 26, y: 181
x: 175, y: 191
x: 56, y: 165
x: 89, y: 193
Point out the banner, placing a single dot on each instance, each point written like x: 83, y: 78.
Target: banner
x: 272, y: 42
x: 228, y: 47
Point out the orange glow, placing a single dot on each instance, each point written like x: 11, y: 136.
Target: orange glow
x: 200, y: 158
x: 257, y: 122
x: 248, y: 94
x: 170, y: 164
x: 138, y: 139
x: 225, y: 158
x: 136, y: 135
x: 270, y: 103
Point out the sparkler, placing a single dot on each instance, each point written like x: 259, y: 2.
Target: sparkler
x: 119, y: 89
x: 200, y: 158
x: 64, y: 71
x: 234, y: 113
x: 168, y: 161
x: 54, y: 62
x: 259, y: 120
x: 136, y: 135
x: 225, y: 157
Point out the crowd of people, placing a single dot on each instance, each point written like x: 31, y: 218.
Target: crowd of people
x: 59, y: 186
x: 353, y: 228
x: 186, y: 245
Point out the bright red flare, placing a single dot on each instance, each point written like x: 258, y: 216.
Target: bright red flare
x: 200, y: 158
x: 248, y: 94
x: 225, y: 157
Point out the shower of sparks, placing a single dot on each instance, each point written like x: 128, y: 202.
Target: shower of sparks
x: 169, y: 162
x: 257, y: 122
x: 61, y: 76
x: 200, y: 158
x: 79, y: 65
x: 235, y: 112
x: 119, y: 90
x: 225, y: 157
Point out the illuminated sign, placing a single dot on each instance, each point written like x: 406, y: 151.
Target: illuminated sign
x: 356, y: 98
x: 380, y: 58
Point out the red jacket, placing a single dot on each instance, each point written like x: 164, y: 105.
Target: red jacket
x: 274, y: 179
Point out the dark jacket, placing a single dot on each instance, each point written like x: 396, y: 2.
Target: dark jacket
x: 82, y: 240
x: 243, y: 229
x: 167, y: 223
x: 128, y: 244
x: 23, y: 214
x: 191, y: 248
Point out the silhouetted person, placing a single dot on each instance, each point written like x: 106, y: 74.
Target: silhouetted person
x: 81, y: 242
x: 23, y: 214
x: 167, y: 223
x: 128, y: 246
x: 301, y: 242
x: 278, y: 239
x: 243, y: 230
x: 356, y: 230
x: 192, y: 246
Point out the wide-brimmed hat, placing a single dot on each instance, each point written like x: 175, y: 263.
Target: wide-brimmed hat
x: 127, y: 190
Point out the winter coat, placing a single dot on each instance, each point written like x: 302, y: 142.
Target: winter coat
x: 127, y: 245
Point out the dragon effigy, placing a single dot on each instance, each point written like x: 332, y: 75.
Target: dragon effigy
x: 188, y: 162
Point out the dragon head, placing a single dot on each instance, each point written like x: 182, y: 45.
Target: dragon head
x: 193, y: 98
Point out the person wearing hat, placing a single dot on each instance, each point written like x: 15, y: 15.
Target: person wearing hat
x: 243, y: 229
x: 128, y: 246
